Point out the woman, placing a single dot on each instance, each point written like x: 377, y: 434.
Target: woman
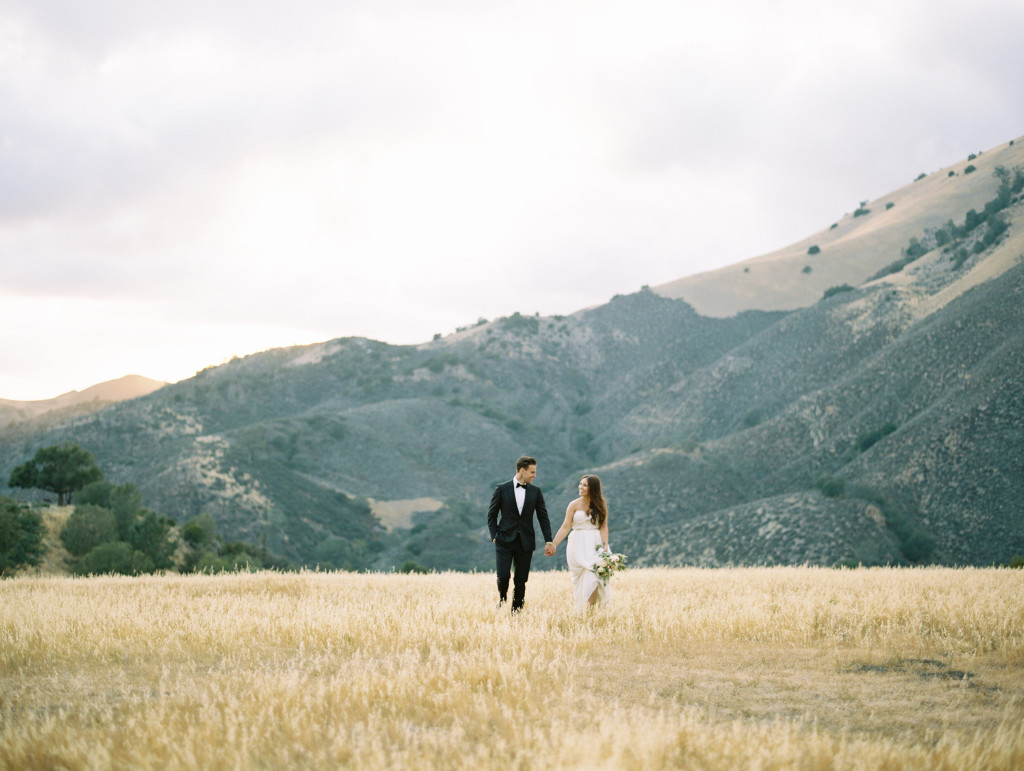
x: 586, y: 524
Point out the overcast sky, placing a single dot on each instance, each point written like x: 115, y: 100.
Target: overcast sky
x: 181, y: 182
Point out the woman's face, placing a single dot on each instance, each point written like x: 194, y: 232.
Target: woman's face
x: 584, y: 487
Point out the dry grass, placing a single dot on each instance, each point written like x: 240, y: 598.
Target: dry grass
x: 55, y: 556
x: 747, y: 668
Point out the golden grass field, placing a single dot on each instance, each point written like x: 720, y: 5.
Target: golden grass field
x: 766, y: 668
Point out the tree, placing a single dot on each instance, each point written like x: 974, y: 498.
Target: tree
x: 113, y: 557
x: 96, y: 493
x: 21, y: 536
x: 88, y: 527
x: 199, y: 531
x: 126, y: 503
x: 150, y: 535
x: 61, y: 468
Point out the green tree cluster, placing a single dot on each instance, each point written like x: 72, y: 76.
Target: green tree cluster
x: 834, y: 290
x: 110, y: 532
x: 950, y: 235
x: 206, y: 552
x: 21, y: 536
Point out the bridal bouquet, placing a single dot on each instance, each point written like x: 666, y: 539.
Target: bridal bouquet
x: 608, y: 563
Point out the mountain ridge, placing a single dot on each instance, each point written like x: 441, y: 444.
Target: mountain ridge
x: 852, y: 249
x: 109, y: 391
x: 881, y: 424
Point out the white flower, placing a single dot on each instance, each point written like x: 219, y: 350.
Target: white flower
x: 608, y: 563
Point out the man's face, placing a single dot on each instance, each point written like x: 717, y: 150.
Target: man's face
x: 528, y: 474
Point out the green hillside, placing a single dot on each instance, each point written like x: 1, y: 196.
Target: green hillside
x: 882, y: 424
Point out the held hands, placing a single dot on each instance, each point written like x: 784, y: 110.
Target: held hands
x: 549, y: 549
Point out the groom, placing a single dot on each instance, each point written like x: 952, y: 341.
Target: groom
x: 517, y: 501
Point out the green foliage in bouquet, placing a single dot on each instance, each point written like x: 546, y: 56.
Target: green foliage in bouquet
x: 608, y: 564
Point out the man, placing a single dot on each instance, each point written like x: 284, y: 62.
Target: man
x: 517, y: 501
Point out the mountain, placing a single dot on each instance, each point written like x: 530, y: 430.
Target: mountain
x: 875, y: 416
x: 853, y: 248
x: 80, y: 402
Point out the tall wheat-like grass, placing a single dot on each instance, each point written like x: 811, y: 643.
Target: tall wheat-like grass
x: 735, y: 668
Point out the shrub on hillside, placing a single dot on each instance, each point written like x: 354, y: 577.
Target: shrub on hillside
x: 88, y: 526
x: 831, y: 487
x: 336, y: 553
x: 995, y: 227
x: 519, y: 323
x: 950, y: 234
x: 870, y: 438
x: 236, y: 557
x: 96, y: 494
x: 915, y: 249
x: 206, y: 552
x: 125, y: 501
x: 916, y: 544
x: 199, y: 532
x: 814, y: 249
x: 834, y: 290
x: 115, y: 557
x: 21, y: 536
x: 150, y: 535
x: 753, y: 418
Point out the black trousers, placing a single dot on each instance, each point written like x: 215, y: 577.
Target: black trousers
x: 515, y: 563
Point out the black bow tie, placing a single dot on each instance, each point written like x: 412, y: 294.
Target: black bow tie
x: 520, y: 484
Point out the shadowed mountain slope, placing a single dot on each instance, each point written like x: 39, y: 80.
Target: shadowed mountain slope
x: 883, y: 423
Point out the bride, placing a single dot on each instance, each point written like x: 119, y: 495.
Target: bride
x: 586, y: 524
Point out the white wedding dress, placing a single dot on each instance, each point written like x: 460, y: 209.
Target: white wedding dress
x: 581, y: 554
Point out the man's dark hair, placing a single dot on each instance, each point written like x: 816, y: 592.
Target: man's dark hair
x: 525, y: 461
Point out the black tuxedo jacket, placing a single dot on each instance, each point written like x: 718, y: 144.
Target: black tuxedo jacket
x: 514, y: 528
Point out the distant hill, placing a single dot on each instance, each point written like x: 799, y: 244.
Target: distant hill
x: 92, y: 398
x: 854, y: 247
x: 874, y: 416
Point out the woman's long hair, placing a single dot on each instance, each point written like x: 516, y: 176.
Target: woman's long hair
x: 598, y: 510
